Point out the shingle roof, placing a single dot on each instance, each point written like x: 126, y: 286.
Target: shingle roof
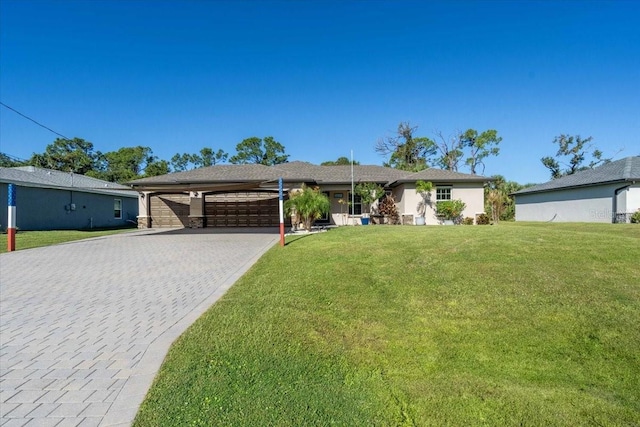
x: 219, y: 173
x: 31, y: 176
x: 433, y: 174
x: 340, y: 174
x: 627, y: 169
x: 298, y: 171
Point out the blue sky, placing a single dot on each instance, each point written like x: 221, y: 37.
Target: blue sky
x: 322, y: 77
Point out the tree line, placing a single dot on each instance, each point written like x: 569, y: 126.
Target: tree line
x: 128, y: 163
x: 404, y: 150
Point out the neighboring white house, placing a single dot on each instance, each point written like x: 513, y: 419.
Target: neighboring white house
x: 53, y: 200
x: 608, y: 193
x: 247, y: 195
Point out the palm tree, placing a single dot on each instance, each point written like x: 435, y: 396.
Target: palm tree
x: 308, y: 204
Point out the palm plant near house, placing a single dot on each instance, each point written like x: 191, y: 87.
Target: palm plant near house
x: 344, y: 203
x: 307, y: 204
x: 424, y: 188
x: 496, y: 201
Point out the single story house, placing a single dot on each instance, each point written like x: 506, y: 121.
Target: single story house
x: 608, y: 193
x: 247, y: 195
x: 53, y: 200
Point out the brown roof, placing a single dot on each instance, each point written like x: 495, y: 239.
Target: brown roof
x: 297, y: 171
x: 340, y: 174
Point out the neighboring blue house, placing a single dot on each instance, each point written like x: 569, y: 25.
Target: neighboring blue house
x: 54, y: 200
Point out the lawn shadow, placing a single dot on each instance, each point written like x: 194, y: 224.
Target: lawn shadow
x: 210, y: 230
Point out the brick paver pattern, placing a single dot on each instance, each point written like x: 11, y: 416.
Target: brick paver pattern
x: 84, y: 326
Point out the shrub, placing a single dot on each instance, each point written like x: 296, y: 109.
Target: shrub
x: 387, y: 207
x: 635, y: 218
x: 482, y: 219
x: 450, y: 209
x: 467, y: 221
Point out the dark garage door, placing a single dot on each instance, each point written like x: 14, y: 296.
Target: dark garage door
x: 242, y: 209
x: 170, y: 210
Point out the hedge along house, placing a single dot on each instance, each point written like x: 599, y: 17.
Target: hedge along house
x: 247, y: 195
x: 608, y: 193
x: 54, y: 200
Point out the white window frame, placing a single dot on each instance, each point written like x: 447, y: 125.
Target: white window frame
x: 357, y: 205
x: 117, y: 213
x: 447, y: 192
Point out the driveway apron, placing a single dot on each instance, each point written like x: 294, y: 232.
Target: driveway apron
x: 84, y: 326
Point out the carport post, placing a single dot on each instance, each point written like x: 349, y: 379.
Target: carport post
x: 281, y: 207
x: 11, y: 218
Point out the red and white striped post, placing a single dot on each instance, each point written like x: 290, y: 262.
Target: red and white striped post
x: 281, y: 207
x: 11, y: 218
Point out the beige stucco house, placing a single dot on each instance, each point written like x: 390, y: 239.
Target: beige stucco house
x: 247, y: 195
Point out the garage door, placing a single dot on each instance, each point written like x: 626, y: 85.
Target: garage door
x: 242, y: 209
x: 170, y: 210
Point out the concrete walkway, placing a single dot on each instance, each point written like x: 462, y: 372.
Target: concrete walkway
x: 84, y: 326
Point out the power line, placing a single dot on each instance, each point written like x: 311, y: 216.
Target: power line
x: 14, y: 158
x: 34, y: 121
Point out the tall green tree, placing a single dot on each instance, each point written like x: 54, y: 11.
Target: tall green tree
x: 265, y: 151
x: 572, y: 155
x: 406, y: 151
x: 6, y: 161
x: 122, y: 165
x: 480, y: 146
x: 341, y: 161
x: 157, y: 167
x: 409, y: 152
x: 67, y: 155
x: 208, y: 157
x: 180, y: 162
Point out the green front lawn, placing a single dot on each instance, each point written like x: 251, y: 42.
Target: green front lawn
x: 34, y: 239
x: 516, y: 324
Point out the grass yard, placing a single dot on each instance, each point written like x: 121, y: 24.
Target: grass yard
x: 35, y: 239
x: 516, y: 324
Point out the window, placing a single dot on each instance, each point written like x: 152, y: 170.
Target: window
x: 443, y: 193
x: 356, y: 208
x: 117, y: 208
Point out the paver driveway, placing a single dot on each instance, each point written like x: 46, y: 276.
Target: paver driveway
x: 84, y: 326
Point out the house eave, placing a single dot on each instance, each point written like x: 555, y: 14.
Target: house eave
x: 207, y: 186
x: 126, y: 192
x: 571, y: 187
